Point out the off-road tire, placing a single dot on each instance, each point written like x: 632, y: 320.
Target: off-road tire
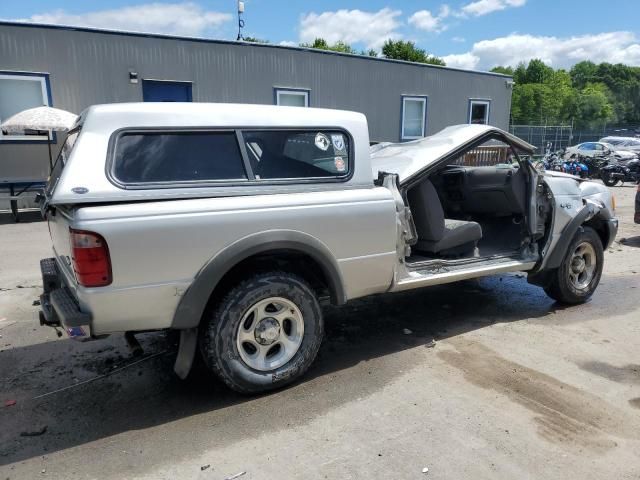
x: 221, y: 323
x: 560, y: 287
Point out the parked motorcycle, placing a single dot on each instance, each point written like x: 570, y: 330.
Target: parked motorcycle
x: 595, y: 164
x: 619, y: 172
x: 575, y: 167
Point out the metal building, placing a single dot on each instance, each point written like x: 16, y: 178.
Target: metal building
x: 72, y: 68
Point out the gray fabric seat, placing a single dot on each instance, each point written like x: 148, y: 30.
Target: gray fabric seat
x: 435, y: 233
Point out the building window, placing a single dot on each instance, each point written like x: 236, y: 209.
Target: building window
x: 287, y: 97
x: 479, y: 111
x: 18, y: 92
x: 414, y: 117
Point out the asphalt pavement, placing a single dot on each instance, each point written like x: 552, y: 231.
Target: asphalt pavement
x: 473, y: 380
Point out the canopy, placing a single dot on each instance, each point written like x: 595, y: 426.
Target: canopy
x: 39, y: 118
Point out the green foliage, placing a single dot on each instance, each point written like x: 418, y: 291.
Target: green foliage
x: 520, y: 74
x: 369, y: 53
x: 255, y: 40
x: 503, y: 70
x: 588, y: 95
x: 401, y: 50
x: 538, y: 72
x: 583, y: 73
x: 321, y: 44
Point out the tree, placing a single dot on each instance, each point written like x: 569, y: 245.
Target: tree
x: 538, y: 72
x: 588, y: 95
x: 401, y: 50
x: 520, y: 74
x: 343, y: 47
x: 592, y: 105
x: 321, y: 44
x: 583, y: 73
x: 255, y: 40
x: 503, y: 70
x: 369, y: 53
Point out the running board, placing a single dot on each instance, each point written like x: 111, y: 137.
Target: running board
x: 447, y: 274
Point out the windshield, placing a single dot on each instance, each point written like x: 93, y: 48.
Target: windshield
x: 61, y: 160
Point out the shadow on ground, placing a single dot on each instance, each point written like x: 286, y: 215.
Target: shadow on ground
x: 631, y: 241
x: 23, y: 217
x: 365, y: 349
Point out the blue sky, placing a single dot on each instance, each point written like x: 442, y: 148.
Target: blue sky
x: 475, y: 34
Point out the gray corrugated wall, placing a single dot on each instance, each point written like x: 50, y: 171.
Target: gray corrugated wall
x: 92, y: 67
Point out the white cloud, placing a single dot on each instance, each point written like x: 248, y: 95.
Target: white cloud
x: 483, y: 7
x: 188, y: 19
x: 467, y: 61
x: 459, y: 39
x: 427, y: 21
x: 351, y: 26
x: 288, y: 43
x: 613, y: 47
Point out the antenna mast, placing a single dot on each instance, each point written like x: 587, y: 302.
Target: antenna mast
x: 240, y: 20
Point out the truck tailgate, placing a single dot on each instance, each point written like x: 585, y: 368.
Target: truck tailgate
x: 59, y: 222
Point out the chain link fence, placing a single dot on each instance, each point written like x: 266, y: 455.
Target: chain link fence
x: 563, y: 136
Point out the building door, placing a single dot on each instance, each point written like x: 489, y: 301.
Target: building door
x: 160, y: 91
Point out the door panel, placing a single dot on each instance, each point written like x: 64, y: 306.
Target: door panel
x: 494, y: 190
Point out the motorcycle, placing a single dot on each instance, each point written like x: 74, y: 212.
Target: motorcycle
x: 617, y: 172
x: 595, y: 164
x: 575, y: 167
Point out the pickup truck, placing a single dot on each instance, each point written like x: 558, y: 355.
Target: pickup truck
x: 231, y: 223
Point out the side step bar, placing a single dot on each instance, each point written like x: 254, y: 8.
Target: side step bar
x: 425, y: 278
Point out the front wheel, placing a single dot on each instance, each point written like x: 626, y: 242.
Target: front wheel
x: 579, y: 274
x: 264, y: 333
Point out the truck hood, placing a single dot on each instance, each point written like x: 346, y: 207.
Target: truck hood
x: 553, y: 173
x: 409, y: 159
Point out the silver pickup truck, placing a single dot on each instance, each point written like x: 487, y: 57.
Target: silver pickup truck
x: 230, y: 223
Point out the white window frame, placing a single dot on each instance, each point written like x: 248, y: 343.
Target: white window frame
x: 45, y: 101
x: 292, y: 91
x: 477, y: 101
x: 424, y: 101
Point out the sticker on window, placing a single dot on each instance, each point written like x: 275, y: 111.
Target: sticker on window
x: 339, y: 163
x: 322, y: 142
x: 338, y: 142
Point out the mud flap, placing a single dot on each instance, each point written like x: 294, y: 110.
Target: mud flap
x: 186, y: 352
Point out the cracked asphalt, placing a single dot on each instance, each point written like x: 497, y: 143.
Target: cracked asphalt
x: 479, y: 379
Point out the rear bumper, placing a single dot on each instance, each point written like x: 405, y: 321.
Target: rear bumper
x: 58, y: 306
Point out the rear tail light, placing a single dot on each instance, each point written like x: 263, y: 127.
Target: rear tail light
x: 91, y: 260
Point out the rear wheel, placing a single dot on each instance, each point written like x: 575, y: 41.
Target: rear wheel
x: 579, y: 274
x: 264, y: 334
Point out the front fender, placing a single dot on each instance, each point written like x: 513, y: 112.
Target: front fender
x: 554, y: 257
